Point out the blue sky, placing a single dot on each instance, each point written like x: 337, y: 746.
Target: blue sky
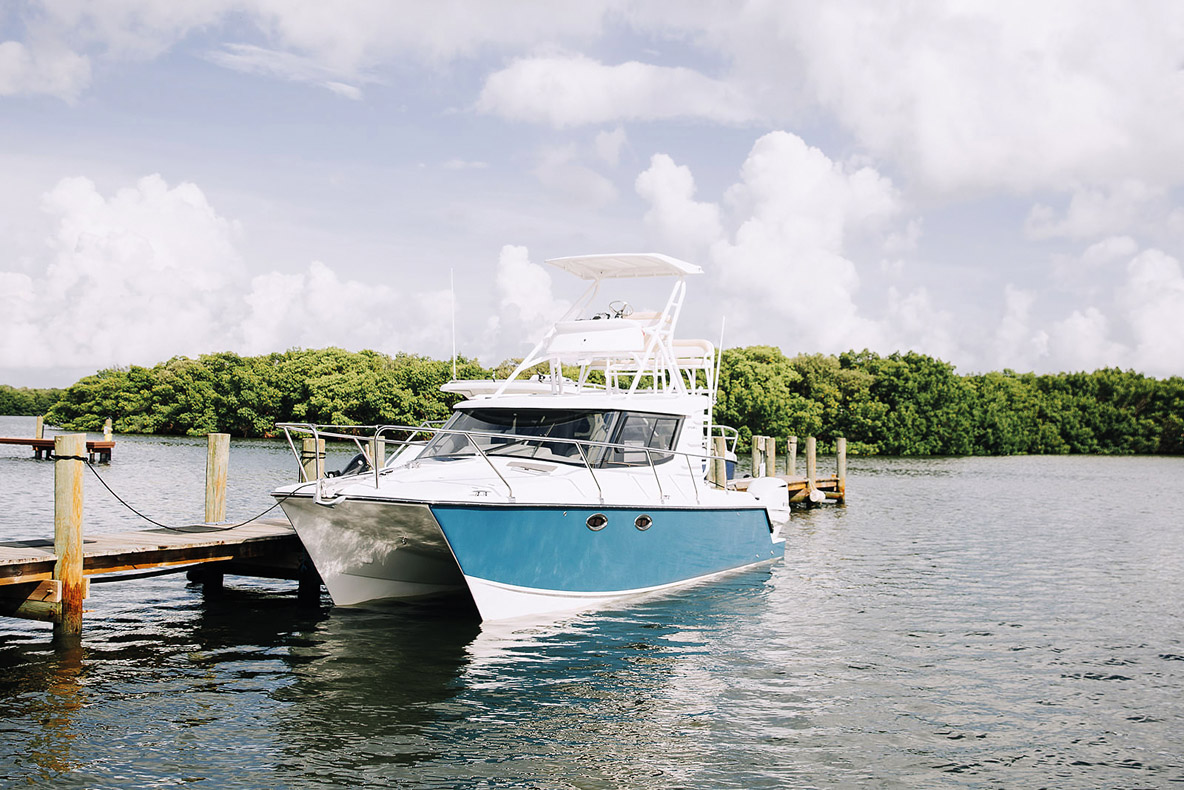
x: 996, y: 184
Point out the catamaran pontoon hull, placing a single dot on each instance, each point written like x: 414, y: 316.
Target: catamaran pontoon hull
x: 517, y: 560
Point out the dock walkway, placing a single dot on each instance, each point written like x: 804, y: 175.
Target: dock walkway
x: 266, y: 547
x: 99, y: 449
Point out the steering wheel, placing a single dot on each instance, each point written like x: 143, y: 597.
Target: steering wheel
x: 620, y: 308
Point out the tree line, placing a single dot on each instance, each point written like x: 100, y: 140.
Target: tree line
x: 27, y: 401
x: 899, y: 404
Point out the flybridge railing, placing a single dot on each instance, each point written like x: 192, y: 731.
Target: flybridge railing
x: 365, y: 441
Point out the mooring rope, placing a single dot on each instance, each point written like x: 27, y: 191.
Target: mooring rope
x: 188, y: 528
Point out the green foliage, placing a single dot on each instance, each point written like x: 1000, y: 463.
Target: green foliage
x: 900, y: 404
x: 25, y: 401
x: 247, y: 396
x: 912, y: 404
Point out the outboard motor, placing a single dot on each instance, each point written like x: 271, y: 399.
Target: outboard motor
x: 356, y: 466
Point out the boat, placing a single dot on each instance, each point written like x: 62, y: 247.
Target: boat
x: 592, y: 474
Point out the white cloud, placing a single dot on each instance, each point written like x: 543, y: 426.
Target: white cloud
x: 575, y: 90
x: 1082, y: 342
x: 1016, y: 344
x: 527, y: 304
x: 462, y: 164
x: 608, y: 146
x: 136, y: 277
x: 317, y: 308
x: 914, y: 322
x: 563, y: 176
x: 1096, y: 212
x: 676, y: 220
x: 50, y: 70
x: 1153, y: 298
x: 287, y: 66
x: 975, y: 95
x: 782, y: 273
x: 153, y: 271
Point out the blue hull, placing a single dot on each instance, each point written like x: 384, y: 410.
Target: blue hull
x: 551, y: 548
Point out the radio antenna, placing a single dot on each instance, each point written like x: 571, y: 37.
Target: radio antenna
x: 452, y: 300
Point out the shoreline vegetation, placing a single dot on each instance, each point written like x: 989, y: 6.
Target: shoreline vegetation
x: 899, y: 404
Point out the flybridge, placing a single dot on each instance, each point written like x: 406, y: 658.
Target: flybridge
x: 631, y: 347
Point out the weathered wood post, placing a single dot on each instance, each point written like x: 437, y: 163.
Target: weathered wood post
x: 39, y: 431
x: 377, y: 453
x: 770, y: 457
x: 791, y: 460
x: 312, y: 458
x: 717, y: 470
x: 67, y: 532
x: 811, y: 462
x: 758, y: 456
x: 841, y: 466
x: 107, y: 430
x: 217, y: 463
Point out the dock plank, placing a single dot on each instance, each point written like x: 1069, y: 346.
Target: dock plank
x: 28, y: 561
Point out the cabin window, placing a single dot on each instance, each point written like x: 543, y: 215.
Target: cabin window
x: 552, y: 435
x: 504, y: 432
x: 652, y: 431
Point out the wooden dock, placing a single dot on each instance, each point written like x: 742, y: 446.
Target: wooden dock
x: 809, y: 490
x: 267, y: 547
x: 98, y: 449
x: 48, y: 580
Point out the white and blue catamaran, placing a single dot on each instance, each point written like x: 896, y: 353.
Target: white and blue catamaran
x: 548, y: 492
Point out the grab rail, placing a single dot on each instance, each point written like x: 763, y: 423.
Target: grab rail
x: 581, y: 445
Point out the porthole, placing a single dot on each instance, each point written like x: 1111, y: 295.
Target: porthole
x: 597, y: 522
x: 643, y: 522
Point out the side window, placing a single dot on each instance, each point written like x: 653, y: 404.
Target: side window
x: 641, y: 431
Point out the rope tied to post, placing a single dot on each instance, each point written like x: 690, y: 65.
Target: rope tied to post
x: 187, y: 527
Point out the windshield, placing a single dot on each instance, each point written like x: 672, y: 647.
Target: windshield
x: 589, y: 426
x: 507, y: 430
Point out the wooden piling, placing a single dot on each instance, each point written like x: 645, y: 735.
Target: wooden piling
x: 377, y: 453
x: 770, y: 456
x: 107, y: 436
x: 791, y: 459
x: 841, y: 466
x: 67, y: 532
x: 312, y: 458
x: 811, y: 461
x: 39, y: 431
x: 217, y: 463
x: 718, y: 467
x: 760, y: 466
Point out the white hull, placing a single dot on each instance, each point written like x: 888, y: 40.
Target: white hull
x: 497, y: 601
x: 367, y: 551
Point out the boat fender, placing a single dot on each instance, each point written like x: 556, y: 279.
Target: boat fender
x: 770, y: 491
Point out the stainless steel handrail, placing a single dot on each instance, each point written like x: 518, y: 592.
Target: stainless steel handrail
x: 318, y: 431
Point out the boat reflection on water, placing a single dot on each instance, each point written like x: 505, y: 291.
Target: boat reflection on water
x: 423, y: 697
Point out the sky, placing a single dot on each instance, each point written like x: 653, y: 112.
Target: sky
x: 997, y: 184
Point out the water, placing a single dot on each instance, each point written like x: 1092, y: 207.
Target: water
x: 980, y: 622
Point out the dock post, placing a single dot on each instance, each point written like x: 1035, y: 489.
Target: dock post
x: 811, y: 461
x: 217, y: 463
x: 770, y: 456
x: 107, y: 430
x: 312, y: 458
x: 791, y: 460
x: 67, y: 533
x: 39, y: 431
x: 717, y: 469
x: 377, y: 453
x: 841, y: 466
x: 759, y: 464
